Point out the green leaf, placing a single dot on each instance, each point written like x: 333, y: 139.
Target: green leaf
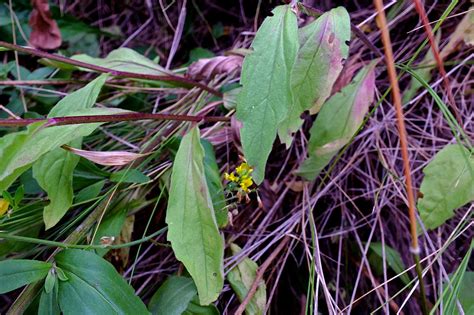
x: 50, y: 281
x: 49, y: 304
x: 266, y: 94
x: 94, y: 286
x: 129, y: 176
x: 195, y: 309
x: 424, y: 72
x: 125, y: 59
x: 192, y: 227
x: 338, y: 121
x: 447, y: 185
x: 323, y: 47
x: 459, y: 288
x: 214, y: 183
x: 173, y: 297
x: 90, y: 192
x: 111, y: 225
x: 393, y: 259
x: 15, y: 273
x: 20, y: 150
x: 241, y: 278
x: 54, y: 171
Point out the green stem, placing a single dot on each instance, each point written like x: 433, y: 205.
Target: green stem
x: 69, y: 245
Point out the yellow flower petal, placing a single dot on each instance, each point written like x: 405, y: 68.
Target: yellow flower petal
x: 3, y: 206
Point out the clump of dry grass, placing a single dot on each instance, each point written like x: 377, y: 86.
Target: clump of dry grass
x: 331, y: 222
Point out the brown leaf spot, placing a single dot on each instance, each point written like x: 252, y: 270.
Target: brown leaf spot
x: 45, y: 33
x: 332, y: 36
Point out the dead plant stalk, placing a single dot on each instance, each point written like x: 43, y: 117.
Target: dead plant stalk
x: 397, y: 100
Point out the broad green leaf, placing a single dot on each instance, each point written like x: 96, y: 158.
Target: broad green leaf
x: 323, y: 47
x: 20, y: 150
x: 94, y: 286
x: 192, y: 226
x: 266, y: 95
x: 241, y: 279
x: 392, y: 258
x: 173, y: 297
x: 214, y: 183
x: 15, y: 273
x: 448, y: 184
x: 125, y: 59
x: 10, y: 144
x: 339, y: 119
x: 54, y: 170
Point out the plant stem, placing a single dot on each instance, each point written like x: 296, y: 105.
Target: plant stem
x: 69, y: 245
x: 397, y: 100
x: 434, y: 48
x: 77, y: 63
x: 72, y: 120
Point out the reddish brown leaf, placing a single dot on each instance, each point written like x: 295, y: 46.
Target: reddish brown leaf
x: 45, y: 33
x: 209, y: 67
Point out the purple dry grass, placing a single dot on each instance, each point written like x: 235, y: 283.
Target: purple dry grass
x: 361, y: 200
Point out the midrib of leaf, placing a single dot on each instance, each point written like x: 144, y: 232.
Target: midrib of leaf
x: 265, y: 100
x: 314, y: 55
x: 192, y: 165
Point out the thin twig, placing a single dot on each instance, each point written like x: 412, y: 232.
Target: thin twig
x: 397, y: 100
x: 259, y: 276
x: 77, y: 63
x: 73, y: 120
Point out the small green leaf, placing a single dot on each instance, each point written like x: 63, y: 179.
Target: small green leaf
x: 393, y: 259
x: 94, y: 286
x: 337, y: 122
x: 192, y: 227
x: 15, y: 273
x: 132, y: 175
x: 173, y: 297
x: 54, y: 171
x: 266, y: 94
x: 323, y: 47
x: 90, y: 192
x: 124, y: 59
x: 448, y: 184
x: 214, y: 183
x: 50, y: 281
x: 49, y: 304
x: 61, y: 275
x: 241, y: 279
x: 19, y: 194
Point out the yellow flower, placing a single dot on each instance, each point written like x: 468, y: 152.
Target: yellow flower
x: 3, y: 206
x: 244, y: 169
x: 245, y: 183
x: 231, y: 177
